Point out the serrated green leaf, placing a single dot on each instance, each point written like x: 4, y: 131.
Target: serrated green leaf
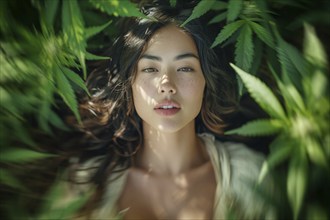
x: 200, y: 9
x: 66, y: 92
x: 244, y: 51
x: 259, y: 127
x: 281, y: 149
x: 55, y: 120
x: 43, y: 117
x: 263, y: 34
x: 234, y: 9
x: 315, y: 152
x: 124, y: 8
x: 81, y: 57
x: 319, y: 85
x: 315, y: 91
x: 91, y: 31
x: 297, y: 181
x: 286, y: 66
x: 240, y: 86
x: 51, y: 7
x: 292, y: 62
x: 258, y: 56
x: 75, y: 78
x: 90, y: 56
x: 227, y: 31
x: 74, y: 31
x: 263, y: 9
x: 16, y: 155
x: 296, y: 58
x: 313, y: 48
x: 292, y: 97
x: 261, y: 94
x: 290, y: 74
x: 219, y: 5
x: 218, y: 18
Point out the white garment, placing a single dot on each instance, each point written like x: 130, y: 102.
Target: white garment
x: 236, y: 170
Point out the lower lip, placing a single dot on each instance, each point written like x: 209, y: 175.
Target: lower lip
x: 167, y: 112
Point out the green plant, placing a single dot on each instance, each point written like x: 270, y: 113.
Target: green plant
x: 299, y: 119
x: 300, y: 123
x: 45, y: 46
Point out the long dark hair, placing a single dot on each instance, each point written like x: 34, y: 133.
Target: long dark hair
x: 111, y: 127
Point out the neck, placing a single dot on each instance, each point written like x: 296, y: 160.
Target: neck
x: 171, y: 153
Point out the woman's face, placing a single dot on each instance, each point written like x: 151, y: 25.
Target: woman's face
x: 169, y: 84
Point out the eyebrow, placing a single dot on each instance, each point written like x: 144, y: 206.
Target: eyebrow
x: 178, y: 57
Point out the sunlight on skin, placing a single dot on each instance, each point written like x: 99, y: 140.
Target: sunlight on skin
x: 148, y: 99
x: 173, y: 166
x: 172, y: 63
x: 192, y: 213
x: 181, y: 181
x: 154, y: 150
x: 179, y: 197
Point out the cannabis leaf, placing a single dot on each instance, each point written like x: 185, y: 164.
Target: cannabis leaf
x: 201, y: 8
x: 16, y: 155
x: 234, y: 8
x: 244, y: 52
x: 263, y: 34
x: 259, y: 127
x: 227, y: 31
x: 261, y: 94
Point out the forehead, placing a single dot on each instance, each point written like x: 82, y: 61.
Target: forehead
x: 170, y: 39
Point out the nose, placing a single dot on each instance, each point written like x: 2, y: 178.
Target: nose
x: 166, y: 86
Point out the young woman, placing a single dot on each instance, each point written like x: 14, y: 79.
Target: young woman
x: 150, y: 127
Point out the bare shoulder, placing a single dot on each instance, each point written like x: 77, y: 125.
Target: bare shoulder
x: 174, y: 197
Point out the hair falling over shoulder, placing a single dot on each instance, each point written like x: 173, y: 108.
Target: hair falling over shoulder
x: 110, y: 126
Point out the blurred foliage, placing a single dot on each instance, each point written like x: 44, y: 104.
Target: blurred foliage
x: 46, y: 45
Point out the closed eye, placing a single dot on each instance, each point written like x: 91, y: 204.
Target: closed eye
x: 185, y: 69
x: 149, y: 70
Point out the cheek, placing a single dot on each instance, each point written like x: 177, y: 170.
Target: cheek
x: 138, y: 93
x: 137, y: 98
x: 142, y: 90
x: 194, y: 87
